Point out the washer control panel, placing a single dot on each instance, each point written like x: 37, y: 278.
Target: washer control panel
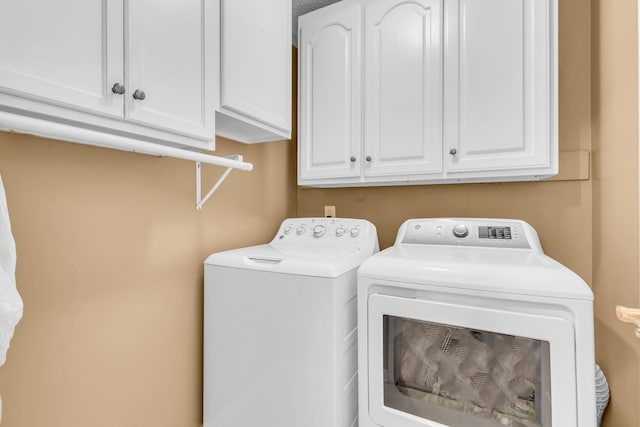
x: 480, y: 232
x: 319, y: 231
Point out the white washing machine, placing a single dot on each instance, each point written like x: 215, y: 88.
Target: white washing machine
x: 280, y: 332
x: 466, y: 323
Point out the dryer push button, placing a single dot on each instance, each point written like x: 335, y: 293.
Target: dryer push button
x: 460, y: 230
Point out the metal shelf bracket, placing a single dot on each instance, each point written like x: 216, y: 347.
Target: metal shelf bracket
x: 200, y: 201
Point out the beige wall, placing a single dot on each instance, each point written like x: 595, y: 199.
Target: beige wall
x: 110, y: 250
x: 615, y: 201
x: 560, y: 211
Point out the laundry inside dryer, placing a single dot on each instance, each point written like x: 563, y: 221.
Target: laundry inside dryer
x: 498, y: 377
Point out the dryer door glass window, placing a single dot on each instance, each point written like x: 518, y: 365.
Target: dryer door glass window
x: 465, y: 377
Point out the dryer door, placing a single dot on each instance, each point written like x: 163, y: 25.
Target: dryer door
x: 440, y: 364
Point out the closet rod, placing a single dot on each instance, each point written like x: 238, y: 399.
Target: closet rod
x: 29, y: 125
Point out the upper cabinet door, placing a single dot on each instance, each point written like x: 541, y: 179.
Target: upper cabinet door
x: 66, y: 52
x: 171, y: 56
x: 256, y: 60
x: 500, y: 104
x: 403, y: 87
x: 330, y: 93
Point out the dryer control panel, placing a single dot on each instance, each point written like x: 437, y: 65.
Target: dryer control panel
x: 320, y: 231
x: 495, y: 233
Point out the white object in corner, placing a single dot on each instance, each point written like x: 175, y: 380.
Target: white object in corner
x: 629, y: 315
x: 255, y: 70
x: 10, y: 301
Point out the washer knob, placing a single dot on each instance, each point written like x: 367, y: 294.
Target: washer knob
x: 460, y: 230
x: 318, y: 230
x: 340, y: 231
x: 300, y: 231
x: 355, y: 232
x: 288, y: 229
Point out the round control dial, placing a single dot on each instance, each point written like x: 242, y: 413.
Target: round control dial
x: 460, y: 230
x: 355, y: 232
x: 340, y: 231
x: 300, y: 231
x: 319, y: 230
x: 288, y: 229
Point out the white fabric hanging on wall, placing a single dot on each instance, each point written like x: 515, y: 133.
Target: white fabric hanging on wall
x: 10, y: 301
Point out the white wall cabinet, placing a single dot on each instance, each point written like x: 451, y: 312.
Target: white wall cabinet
x: 67, y: 59
x: 142, y: 69
x: 330, y: 106
x: 403, y: 81
x: 255, y: 78
x: 492, y: 116
x: 501, y: 96
x: 170, y: 62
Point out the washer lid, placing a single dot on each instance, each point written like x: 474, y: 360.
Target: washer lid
x: 319, y: 247
x: 304, y: 261
x: 516, y: 271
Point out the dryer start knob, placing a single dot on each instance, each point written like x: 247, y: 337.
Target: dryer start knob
x: 318, y: 230
x: 355, y: 232
x: 460, y: 230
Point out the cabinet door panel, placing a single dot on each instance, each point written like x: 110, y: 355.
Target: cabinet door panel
x: 499, y: 95
x: 67, y: 52
x: 256, y: 60
x: 172, y: 57
x: 403, y: 87
x: 330, y: 105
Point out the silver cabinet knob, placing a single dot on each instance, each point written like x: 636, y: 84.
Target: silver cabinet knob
x: 118, y: 89
x: 139, y: 95
x: 353, y: 159
x: 453, y: 151
x: 368, y: 159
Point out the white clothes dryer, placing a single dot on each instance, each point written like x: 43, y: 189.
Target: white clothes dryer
x: 280, y: 335
x: 466, y: 323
